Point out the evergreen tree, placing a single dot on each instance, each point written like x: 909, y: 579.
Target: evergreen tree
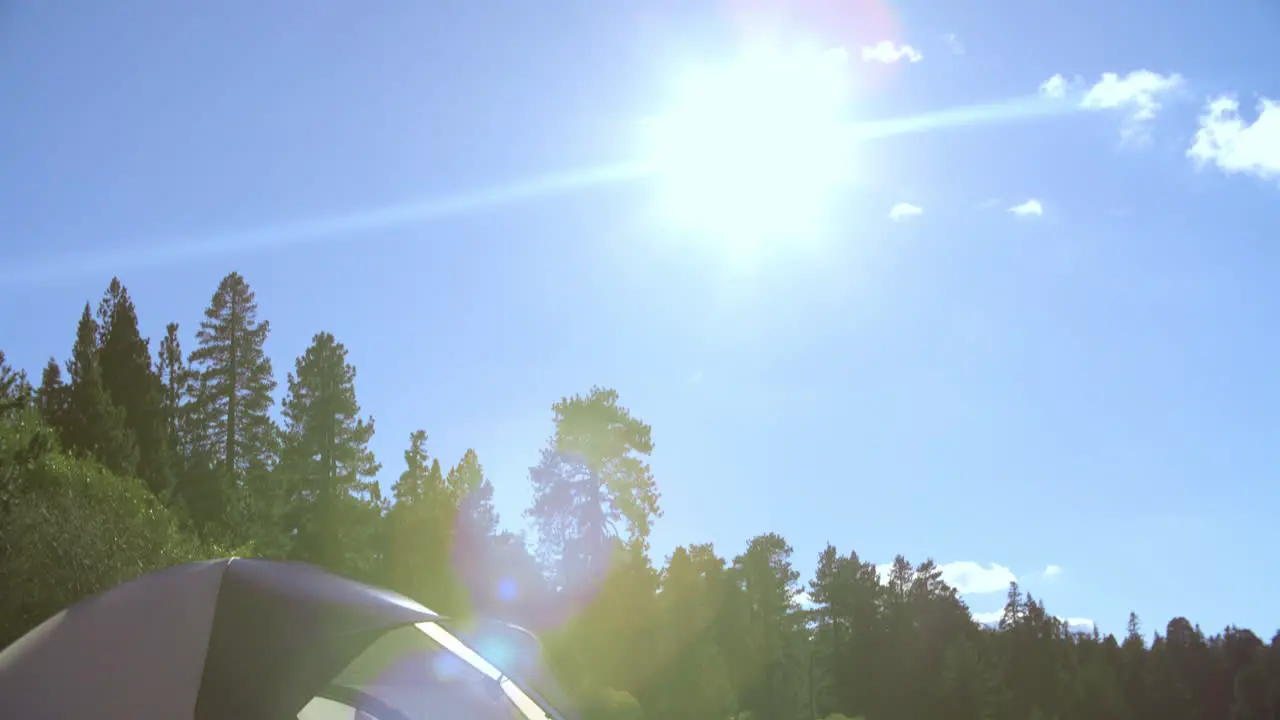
x: 326, y: 450
x: 420, y: 526
x: 230, y: 404
x: 771, y: 673
x: 694, y: 678
x: 15, y: 390
x: 473, y: 493
x: 94, y: 426
x: 134, y: 387
x: 475, y: 530
x: 593, y: 484
x: 51, y: 397
x: 176, y: 381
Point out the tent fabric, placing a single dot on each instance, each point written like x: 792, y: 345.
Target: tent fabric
x: 251, y: 639
x: 134, y: 651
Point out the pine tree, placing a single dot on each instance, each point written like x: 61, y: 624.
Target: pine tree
x: 421, y: 524
x: 592, y: 485
x: 51, y: 397
x: 475, y: 528
x: 15, y: 391
x: 773, y: 629
x: 230, y: 403
x: 326, y: 449
x: 176, y: 381
x: 473, y: 494
x: 133, y: 387
x: 94, y: 426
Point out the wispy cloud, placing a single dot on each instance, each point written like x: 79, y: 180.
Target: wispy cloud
x: 952, y: 41
x: 886, y: 51
x: 1234, y: 146
x: 1052, y: 571
x: 902, y: 211
x: 1031, y: 207
x: 968, y: 577
x: 1140, y: 94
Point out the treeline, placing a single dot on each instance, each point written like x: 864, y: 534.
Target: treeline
x: 119, y: 461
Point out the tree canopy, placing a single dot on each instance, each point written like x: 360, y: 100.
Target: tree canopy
x: 129, y: 462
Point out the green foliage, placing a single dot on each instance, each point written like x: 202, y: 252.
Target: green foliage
x: 134, y: 387
x: 230, y: 402
x: 94, y: 426
x: 326, y: 466
x: 70, y: 528
x: 609, y: 704
x: 592, y: 485
x: 15, y: 390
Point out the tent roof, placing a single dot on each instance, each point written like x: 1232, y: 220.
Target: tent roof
x: 232, y: 638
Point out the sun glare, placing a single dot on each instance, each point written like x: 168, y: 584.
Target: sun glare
x: 754, y: 150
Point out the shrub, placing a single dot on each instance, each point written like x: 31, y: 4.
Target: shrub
x: 69, y: 528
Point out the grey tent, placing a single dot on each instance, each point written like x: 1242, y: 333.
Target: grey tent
x: 253, y: 640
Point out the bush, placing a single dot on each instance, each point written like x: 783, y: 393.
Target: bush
x: 69, y: 528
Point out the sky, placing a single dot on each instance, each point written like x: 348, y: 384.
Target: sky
x: 1035, y: 340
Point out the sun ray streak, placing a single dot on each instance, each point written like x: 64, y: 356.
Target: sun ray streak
x: 337, y: 226
x: 316, y: 230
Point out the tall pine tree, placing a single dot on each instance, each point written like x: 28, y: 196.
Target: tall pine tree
x: 93, y: 425
x: 51, y: 397
x: 134, y: 387
x: 420, y: 525
x: 231, y: 400
x: 329, y: 464
x: 176, y: 381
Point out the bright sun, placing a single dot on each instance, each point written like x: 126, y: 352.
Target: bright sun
x: 753, y: 151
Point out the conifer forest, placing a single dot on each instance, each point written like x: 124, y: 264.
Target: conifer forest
x: 126, y: 454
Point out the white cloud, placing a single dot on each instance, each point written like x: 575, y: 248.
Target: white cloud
x: 1078, y: 624
x: 902, y: 211
x: 968, y: 577
x: 1139, y: 91
x: 1030, y: 207
x: 1055, y: 88
x: 971, y: 577
x: 988, y: 618
x: 953, y: 43
x: 1140, y: 94
x: 803, y: 600
x: 1226, y: 141
x: 1052, y: 571
x: 886, y: 51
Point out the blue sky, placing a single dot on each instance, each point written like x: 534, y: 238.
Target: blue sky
x: 1093, y: 387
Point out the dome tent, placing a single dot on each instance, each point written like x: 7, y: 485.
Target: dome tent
x: 257, y: 640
